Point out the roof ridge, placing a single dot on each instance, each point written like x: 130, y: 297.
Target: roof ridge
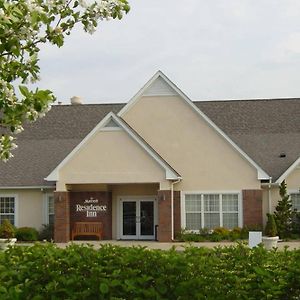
x: 247, y: 100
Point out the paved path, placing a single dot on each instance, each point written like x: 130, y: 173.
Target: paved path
x: 177, y: 245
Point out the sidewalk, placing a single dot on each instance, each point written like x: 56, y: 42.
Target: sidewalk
x: 166, y: 246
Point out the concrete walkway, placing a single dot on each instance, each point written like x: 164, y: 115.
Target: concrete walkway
x: 177, y: 245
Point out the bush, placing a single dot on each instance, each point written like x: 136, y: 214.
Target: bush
x: 26, y: 234
x: 271, y: 228
x: 222, y: 232
x: 44, y: 271
x: 47, y: 233
x: 7, y: 230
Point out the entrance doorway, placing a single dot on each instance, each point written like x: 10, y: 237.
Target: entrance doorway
x: 138, y: 218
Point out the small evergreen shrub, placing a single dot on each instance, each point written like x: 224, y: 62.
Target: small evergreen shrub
x: 7, y: 230
x: 283, y: 213
x: 271, y: 228
x: 46, y: 233
x: 27, y: 234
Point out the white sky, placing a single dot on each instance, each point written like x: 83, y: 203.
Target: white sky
x: 211, y: 49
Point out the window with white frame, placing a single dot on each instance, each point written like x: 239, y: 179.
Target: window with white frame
x: 295, y: 199
x: 7, y: 208
x: 50, y: 209
x: 211, y: 210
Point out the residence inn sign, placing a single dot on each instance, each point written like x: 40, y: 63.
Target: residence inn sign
x: 92, y: 207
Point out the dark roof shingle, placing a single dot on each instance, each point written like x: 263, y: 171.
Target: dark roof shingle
x: 261, y: 128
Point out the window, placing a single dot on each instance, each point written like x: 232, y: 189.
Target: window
x: 7, y: 208
x: 211, y: 210
x: 50, y: 209
x: 295, y: 199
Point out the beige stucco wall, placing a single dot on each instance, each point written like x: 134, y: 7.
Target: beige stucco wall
x: 128, y: 190
x: 110, y: 157
x: 204, y: 159
x: 30, y: 207
x: 293, y: 180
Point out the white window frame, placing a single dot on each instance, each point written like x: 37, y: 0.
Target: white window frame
x: 16, y: 214
x: 46, y: 207
x: 220, y: 193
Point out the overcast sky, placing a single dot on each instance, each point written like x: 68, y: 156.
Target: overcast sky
x: 211, y: 49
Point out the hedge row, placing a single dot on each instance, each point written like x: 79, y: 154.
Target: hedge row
x: 80, y: 272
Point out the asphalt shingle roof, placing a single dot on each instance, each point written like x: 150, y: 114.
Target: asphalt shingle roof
x: 262, y: 128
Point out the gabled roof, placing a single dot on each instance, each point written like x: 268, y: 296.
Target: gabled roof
x: 263, y: 128
x: 161, y: 85
x: 112, y: 120
x: 45, y: 143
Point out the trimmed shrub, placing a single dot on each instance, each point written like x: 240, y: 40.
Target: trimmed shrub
x: 271, y: 229
x: 222, y: 232
x: 7, y: 230
x: 27, y: 234
x: 47, y: 233
x: 44, y: 271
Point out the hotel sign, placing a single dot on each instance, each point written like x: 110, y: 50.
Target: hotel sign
x: 91, y: 208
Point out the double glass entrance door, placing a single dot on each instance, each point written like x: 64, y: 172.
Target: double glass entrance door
x: 137, y: 219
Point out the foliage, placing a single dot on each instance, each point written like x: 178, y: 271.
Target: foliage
x: 26, y: 234
x: 216, y: 235
x: 80, y: 272
x: 283, y: 213
x: 271, y: 228
x: 24, y: 26
x: 46, y: 233
x: 7, y: 230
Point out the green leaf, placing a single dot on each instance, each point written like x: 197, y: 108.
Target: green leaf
x: 104, y: 289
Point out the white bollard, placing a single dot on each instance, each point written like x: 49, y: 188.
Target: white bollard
x: 255, y: 238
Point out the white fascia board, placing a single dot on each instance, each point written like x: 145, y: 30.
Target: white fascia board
x: 137, y: 96
x: 261, y: 174
x: 170, y: 174
x: 54, y: 175
x: 291, y: 168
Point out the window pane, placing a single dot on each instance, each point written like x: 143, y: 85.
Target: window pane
x: 51, y: 205
x: 230, y: 220
x: 211, y: 220
x: 211, y: 202
x: 230, y: 202
x: 295, y: 198
x: 51, y: 219
x: 7, y: 209
x: 192, y: 203
x: 193, y: 221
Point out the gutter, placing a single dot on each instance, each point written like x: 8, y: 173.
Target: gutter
x: 172, y: 207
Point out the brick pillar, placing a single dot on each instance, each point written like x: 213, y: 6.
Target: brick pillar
x: 62, y: 217
x: 164, y: 233
x: 252, y: 207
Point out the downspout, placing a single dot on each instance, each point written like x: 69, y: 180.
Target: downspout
x: 270, y: 195
x: 172, y: 207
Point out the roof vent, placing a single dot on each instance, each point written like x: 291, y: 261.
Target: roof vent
x: 75, y: 100
x: 282, y: 155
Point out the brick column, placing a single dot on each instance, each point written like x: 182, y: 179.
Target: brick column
x: 164, y: 233
x: 62, y: 217
x: 252, y: 207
